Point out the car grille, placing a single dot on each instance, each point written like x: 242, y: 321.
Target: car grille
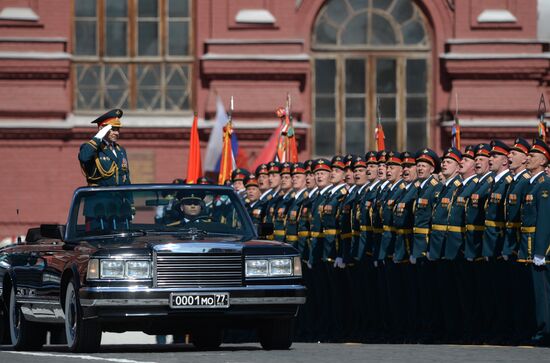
x: 178, y: 270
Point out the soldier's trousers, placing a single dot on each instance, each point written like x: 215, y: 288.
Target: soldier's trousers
x: 522, y: 300
x: 541, y: 286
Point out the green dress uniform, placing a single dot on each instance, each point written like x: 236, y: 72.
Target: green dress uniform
x: 292, y: 223
x: 440, y: 218
x: 103, y: 163
x: 428, y: 193
x: 535, y: 243
x: 520, y: 284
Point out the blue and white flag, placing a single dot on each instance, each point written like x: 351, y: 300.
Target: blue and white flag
x: 215, y: 143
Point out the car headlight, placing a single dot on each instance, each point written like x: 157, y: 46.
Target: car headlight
x: 112, y: 269
x: 280, y: 267
x: 255, y: 268
x: 273, y: 267
x: 138, y: 269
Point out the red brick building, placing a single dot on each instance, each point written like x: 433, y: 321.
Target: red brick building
x: 64, y: 62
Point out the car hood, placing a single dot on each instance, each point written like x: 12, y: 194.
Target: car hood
x: 174, y: 244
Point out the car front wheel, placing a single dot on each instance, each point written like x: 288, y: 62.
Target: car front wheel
x: 276, y: 334
x: 83, y: 335
x: 24, y: 334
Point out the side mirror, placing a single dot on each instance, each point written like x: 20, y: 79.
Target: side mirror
x: 265, y: 229
x: 55, y: 231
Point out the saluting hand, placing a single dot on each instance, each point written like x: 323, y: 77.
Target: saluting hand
x: 101, y: 133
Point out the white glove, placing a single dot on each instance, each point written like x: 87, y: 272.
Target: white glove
x: 375, y: 263
x: 428, y: 255
x: 539, y: 260
x: 309, y: 265
x: 101, y: 133
x: 339, y: 262
x: 505, y: 257
x: 412, y: 259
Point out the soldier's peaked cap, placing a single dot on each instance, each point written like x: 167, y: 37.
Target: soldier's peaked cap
x: 261, y: 169
x: 251, y: 181
x: 370, y: 157
x: 499, y: 148
x: 109, y: 118
x: 273, y: 167
x: 321, y: 164
x: 239, y: 174
x: 428, y: 156
x: 394, y: 158
x: 286, y: 168
x: 541, y: 147
x: 338, y: 162
x: 298, y: 168
x: 382, y: 156
x: 483, y: 150
x: 407, y: 158
x: 469, y: 152
x: 358, y: 162
x: 521, y: 145
x: 453, y: 153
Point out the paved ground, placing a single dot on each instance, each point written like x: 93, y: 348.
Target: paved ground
x: 301, y: 352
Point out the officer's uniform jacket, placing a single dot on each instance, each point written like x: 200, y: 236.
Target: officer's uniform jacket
x: 495, y: 225
x: 272, y: 201
x: 317, y: 236
x: 456, y: 224
x: 428, y: 193
x: 345, y: 223
x: 535, y: 220
x: 291, y: 227
x: 358, y: 245
x: 403, y: 222
x: 376, y: 216
x: 257, y: 210
x: 329, y: 211
x: 388, y: 235
x: 305, y: 218
x: 475, y: 217
x: 368, y: 202
x: 512, y: 208
x: 440, y: 218
x: 102, y: 165
x: 280, y: 215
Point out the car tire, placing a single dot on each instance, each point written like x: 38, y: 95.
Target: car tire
x: 83, y: 335
x: 207, y: 339
x: 24, y: 334
x: 276, y: 334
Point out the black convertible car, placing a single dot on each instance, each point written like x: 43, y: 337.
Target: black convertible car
x: 162, y: 259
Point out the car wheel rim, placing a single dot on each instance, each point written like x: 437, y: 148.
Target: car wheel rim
x: 70, y: 318
x: 15, y: 318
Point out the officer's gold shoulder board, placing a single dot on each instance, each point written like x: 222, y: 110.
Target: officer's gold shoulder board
x: 457, y: 183
x: 343, y: 191
x: 541, y: 179
x: 527, y: 175
x: 402, y: 186
x: 476, y: 180
x: 293, y: 195
x: 490, y: 179
x: 246, y: 200
x: 306, y: 195
x: 417, y: 184
x: 434, y: 182
x: 269, y: 197
x: 509, y: 179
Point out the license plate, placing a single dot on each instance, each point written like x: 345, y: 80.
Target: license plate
x: 202, y: 300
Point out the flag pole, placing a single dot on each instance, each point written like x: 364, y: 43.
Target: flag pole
x: 542, y: 114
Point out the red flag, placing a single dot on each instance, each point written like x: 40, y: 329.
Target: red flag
x: 194, y: 165
x: 226, y: 163
x: 268, y: 152
x: 455, y: 132
x: 380, y: 138
x: 292, y: 147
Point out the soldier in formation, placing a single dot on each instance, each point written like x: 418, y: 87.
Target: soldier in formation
x: 414, y: 247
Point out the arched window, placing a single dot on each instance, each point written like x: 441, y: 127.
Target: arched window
x: 364, y: 51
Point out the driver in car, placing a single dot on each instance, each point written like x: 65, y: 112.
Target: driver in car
x: 191, y: 210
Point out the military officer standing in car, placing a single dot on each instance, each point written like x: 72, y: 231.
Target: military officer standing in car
x: 255, y: 206
x: 103, y: 160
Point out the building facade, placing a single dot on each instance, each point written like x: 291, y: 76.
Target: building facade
x: 413, y: 64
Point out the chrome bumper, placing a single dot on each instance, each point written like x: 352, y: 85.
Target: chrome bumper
x: 145, y: 296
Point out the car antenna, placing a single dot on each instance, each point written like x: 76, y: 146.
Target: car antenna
x: 19, y: 223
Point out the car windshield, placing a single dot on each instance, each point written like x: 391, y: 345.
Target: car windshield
x: 169, y: 210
